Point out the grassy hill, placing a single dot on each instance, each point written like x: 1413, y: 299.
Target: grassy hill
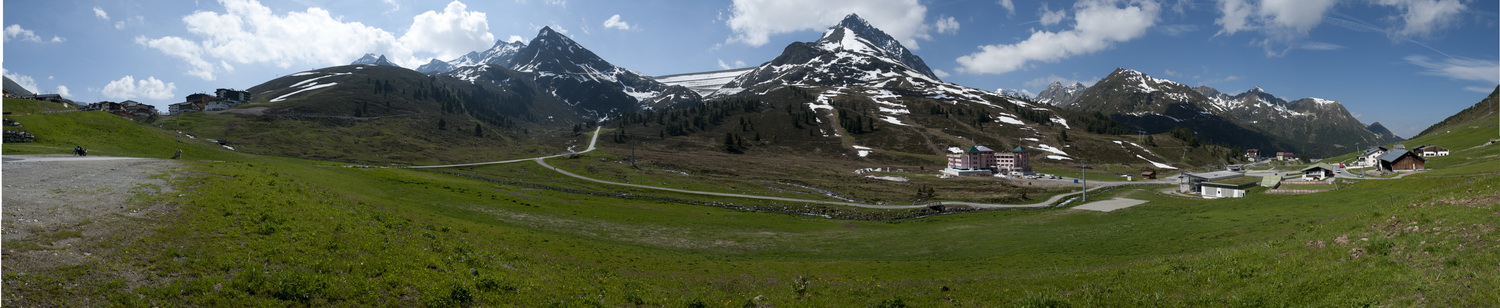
x: 256, y: 230
x: 1481, y: 114
x: 388, y: 115
x: 102, y: 133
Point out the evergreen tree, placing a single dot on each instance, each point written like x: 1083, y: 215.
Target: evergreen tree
x: 478, y: 130
x: 442, y: 124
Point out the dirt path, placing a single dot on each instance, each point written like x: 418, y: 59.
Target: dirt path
x: 62, y: 211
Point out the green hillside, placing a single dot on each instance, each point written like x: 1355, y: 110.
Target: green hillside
x: 1481, y: 114
x: 264, y: 231
x: 102, y: 133
x: 388, y: 115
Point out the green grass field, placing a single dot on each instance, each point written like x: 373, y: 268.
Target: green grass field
x: 265, y: 231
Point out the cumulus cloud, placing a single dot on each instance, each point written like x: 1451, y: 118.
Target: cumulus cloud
x: 247, y: 32
x: 947, y: 25
x: 515, y: 38
x: 63, y: 90
x: 1050, y: 17
x: 1010, y: 7
x: 183, y: 49
x: 1422, y: 17
x: 614, y: 22
x: 1282, y: 22
x: 449, y: 34
x: 737, y: 64
x: 1460, y: 68
x: 15, y: 31
x: 941, y: 73
x: 1097, y: 25
x: 98, y: 12
x: 128, y: 88
x: 755, y: 21
x: 24, y: 81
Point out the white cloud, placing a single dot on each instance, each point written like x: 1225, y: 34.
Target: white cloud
x: 1010, y: 7
x: 182, y: 49
x: 57, y: 39
x: 15, y: 31
x: 98, y: 12
x: 1177, y: 29
x: 449, y: 34
x: 755, y: 21
x: 247, y: 32
x: 614, y: 22
x: 737, y: 64
x: 947, y: 25
x: 1460, y: 68
x: 128, y: 88
x: 1050, y: 17
x: 395, y: 6
x: 1319, y: 46
x: 22, y: 80
x: 515, y: 38
x: 1422, y: 17
x: 63, y: 90
x: 1097, y: 26
x: 1282, y: 22
x: 1480, y: 89
x: 941, y: 73
x: 1171, y: 73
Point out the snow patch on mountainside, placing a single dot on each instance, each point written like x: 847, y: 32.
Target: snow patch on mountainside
x: 1048, y: 148
x: 1153, y: 163
x: 308, y: 88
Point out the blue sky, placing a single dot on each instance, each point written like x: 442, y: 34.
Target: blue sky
x: 1405, y: 63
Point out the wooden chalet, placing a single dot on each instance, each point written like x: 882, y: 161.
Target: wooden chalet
x: 1402, y: 160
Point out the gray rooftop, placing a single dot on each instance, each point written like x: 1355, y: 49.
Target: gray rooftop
x: 1216, y: 175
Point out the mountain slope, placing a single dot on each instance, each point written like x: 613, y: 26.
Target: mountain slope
x: 577, y: 77
x: 846, y: 94
x: 379, y: 114
x: 1152, y: 106
x: 1315, y: 126
x: 1056, y: 94
x: 1478, y: 115
x: 1382, y: 132
x: 501, y: 52
x: 850, y: 53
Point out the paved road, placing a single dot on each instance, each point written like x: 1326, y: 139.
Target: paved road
x: 592, y: 142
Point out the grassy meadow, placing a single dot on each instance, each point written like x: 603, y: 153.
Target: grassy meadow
x: 253, y: 230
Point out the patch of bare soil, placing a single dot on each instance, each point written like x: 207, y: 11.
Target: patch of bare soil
x: 61, y: 214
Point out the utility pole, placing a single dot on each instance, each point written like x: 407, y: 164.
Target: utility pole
x: 1085, y: 179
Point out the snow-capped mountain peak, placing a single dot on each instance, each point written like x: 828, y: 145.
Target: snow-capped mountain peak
x: 501, y: 52
x: 1021, y: 94
x: 852, y: 53
x: 856, y: 35
x: 372, y: 59
x: 1056, y: 94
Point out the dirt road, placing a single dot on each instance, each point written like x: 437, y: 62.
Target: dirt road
x: 59, y: 210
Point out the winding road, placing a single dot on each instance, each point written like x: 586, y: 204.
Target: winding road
x: 595, y: 139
